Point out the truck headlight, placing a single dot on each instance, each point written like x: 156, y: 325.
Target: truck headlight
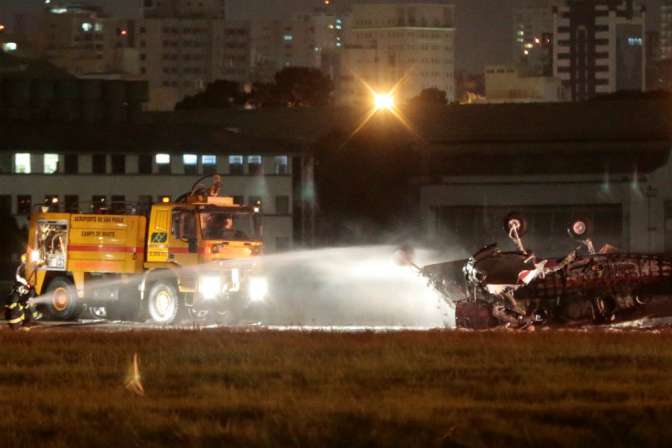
x: 209, y: 286
x: 258, y: 289
x: 35, y: 256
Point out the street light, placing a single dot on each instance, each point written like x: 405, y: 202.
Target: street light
x: 383, y: 101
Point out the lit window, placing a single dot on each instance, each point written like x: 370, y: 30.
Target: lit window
x: 9, y: 47
x: 163, y: 163
x: 190, y: 159
x: 254, y: 165
x: 209, y: 163
x: 190, y: 163
x: 98, y: 27
x: 50, y: 163
x: 288, y: 37
x: 87, y: 26
x: 236, y: 165
x: 635, y: 41
x: 22, y: 163
x: 281, y: 164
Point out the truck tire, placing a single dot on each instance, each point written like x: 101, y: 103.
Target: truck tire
x: 63, y: 303
x: 164, y: 304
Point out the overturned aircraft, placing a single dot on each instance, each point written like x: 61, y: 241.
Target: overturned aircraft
x: 517, y: 289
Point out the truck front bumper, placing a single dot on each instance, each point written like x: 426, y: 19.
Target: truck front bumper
x: 218, y: 287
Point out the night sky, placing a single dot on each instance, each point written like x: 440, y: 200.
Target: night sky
x: 483, y: 26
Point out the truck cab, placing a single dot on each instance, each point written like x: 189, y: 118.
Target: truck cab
x: 209, y: 243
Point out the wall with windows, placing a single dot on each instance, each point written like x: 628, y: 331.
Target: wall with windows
x: 632, y: 212
x: 94, y: 181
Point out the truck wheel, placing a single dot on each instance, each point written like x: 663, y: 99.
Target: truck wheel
x: 63, y: 303
x: 164, y: 305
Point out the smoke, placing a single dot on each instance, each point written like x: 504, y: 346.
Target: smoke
x: 355, y: 286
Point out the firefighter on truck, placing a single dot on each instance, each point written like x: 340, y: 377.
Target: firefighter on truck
x: 194, y: 257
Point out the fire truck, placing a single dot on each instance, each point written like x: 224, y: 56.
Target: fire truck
x: 194, y: 257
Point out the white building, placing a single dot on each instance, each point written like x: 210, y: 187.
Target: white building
x: 408, y: 46
x: 598, y: 47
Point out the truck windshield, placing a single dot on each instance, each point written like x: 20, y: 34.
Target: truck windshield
x: 220, y: 225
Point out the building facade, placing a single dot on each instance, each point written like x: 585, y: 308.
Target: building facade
x: 508, y: 85
x: 179, y: 56
x: 665, y: 30
x: 599, y: 47
x: 533, y: 37
x: 607, y: 162
x: 88, y: 181
x: 81, y: 39
x: 405, y: 47
x: 202, y: 9
x: 303, y: 40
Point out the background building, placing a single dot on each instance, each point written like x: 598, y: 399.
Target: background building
x: 409, y: 45
x: 665, y: 30
x: 303, y: 40
x: 599, y: 47
x: 80, y: 39
x: 202, y: 9
x: 507, y: 85
x: 533, y: 37
x: 179, y: 56
x: 607, y: 161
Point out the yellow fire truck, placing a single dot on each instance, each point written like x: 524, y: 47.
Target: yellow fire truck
x: 191, y: 257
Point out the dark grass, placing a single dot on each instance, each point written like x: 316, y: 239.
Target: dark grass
x: 218, y: 388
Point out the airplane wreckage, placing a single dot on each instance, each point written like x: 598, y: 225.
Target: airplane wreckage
x: 516, y: 289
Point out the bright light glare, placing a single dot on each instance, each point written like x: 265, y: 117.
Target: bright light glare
x: 384, y: 101
x: 35, y: 256
x: 209, y: 286
x: 258, y: 289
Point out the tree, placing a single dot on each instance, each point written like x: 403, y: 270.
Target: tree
x: 302, y: 87
x: 430, y: 96
x: 220, y: 94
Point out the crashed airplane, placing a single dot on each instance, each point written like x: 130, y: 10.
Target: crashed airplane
x: 516, y: 289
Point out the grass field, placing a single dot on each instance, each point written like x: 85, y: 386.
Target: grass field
x: 219, y: 388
